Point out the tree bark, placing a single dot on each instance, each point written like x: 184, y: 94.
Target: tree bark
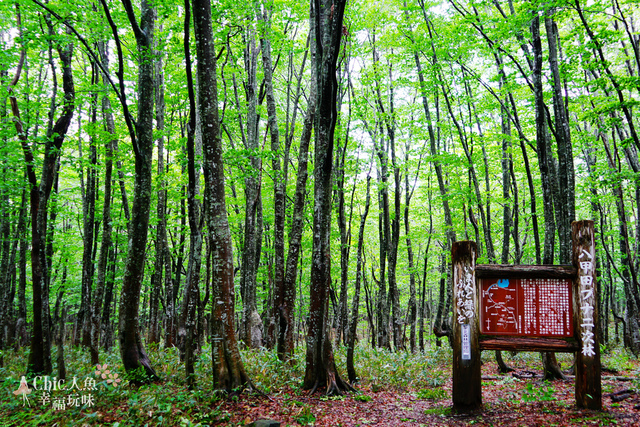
x: 279, y: 179
x: 253, y: 196
x: 228, y: 370
x: 551, y: 367
x: 40, y: 355
x: 351, y: 339
x: 565, y: 212
x: 132, y: 351
x: 89, y: 231
x: 320, y: 369
x: 286, y: 297
x: 191, y: 299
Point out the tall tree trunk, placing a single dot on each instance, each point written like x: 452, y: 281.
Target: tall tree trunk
x: 40, y: 355
x: 345, y: 239
x: 565, y: 212
x: 382, y: 306
x: 320, y: 369
x: 131, y: 349
x: 394, y: 295
x: 551, y: 367
x: 413, y: 307
x: 22, y: 259
x: 107, y: 227
x: 285, y: 300
x: 279, y: 179
x: 628, y: 272
x: 89, y: 230
x: 253, y: 196
x: 191, y: 299
x: 434, y: 140
x: 424, y: 277
x: 163, y: 258
x: 228, y: 371
x: 351, y: 339
x: 412, y: 312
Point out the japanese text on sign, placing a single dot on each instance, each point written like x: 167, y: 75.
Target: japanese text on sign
x: 587, y: 303
x: 526, y: 307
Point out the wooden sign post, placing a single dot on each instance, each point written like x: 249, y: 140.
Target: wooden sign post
x: 588, y: 384
x: 467, y: 391
x: 527, y: 308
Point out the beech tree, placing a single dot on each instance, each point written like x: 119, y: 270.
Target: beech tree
x: 132, y: 351
x: 40, y: 355
x: 320, y: 368
x: 228, y: 370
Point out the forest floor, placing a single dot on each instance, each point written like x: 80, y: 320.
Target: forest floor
x: 507, y: 401
x: 397, y: 389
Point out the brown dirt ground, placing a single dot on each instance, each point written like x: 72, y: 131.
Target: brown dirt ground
x: 502, y: 406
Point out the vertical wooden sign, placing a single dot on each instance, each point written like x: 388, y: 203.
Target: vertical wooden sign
x: 588, y: 382
x: 467, y: 380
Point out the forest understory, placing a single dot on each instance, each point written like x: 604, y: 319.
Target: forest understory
x: 396, y: 389
x: 269, y: 173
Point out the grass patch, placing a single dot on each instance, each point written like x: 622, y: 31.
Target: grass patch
x: 431, y: 394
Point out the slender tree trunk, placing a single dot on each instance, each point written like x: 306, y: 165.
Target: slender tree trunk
x: 320, y: 367
x: 252, y: 229
x: 89, y: 230
x: 131, y: 349
x: 192, y: 293
x: 434, y: 140
x: 360, y: 268
x: 345, y: 240
x: 394, y: 295
x: 565, y: 215
x: 40, y: 355
x: 163, y: 258
x: 5, y: 276
x: 107, y: 227
x: 287, y: 296
x: 551, y: 368
x: 628, y: 272
x: 228, y: 371
x: 22, y: 258
x: 279, y: 180
x: 382, y: 306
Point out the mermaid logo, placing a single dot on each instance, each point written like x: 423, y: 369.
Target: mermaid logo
x: 23, y: 390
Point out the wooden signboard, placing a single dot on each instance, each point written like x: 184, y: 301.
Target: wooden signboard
x: 528, y: 308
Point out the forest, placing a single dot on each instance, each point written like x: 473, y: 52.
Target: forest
x: 222, y: 181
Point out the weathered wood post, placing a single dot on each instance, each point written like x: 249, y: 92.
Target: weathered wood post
x: 588, y: 382
x: 467, y: 386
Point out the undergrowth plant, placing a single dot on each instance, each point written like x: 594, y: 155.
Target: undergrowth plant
x: 169, y: 401
x: 536, y: 392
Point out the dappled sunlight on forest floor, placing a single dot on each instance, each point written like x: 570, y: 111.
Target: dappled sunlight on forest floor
x: 397, y: 389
